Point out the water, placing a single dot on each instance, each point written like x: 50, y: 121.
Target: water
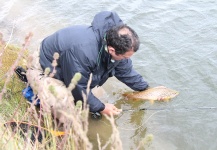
x: 178, y: 50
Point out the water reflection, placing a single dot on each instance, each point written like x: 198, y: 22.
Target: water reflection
x: 131, y: 122
x: 101, y: 127
x: 130, y: 125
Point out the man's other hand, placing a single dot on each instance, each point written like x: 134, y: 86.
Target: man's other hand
x: 110, y: 109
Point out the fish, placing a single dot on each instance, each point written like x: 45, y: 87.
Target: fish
x: 155, y: 93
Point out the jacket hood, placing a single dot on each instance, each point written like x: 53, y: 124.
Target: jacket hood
x: 104, y: 21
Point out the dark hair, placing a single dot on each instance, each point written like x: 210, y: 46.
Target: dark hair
x: 122, y: 42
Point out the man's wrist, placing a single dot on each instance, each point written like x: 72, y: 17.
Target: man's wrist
x: 102, y: 107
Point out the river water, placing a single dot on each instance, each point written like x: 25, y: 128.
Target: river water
x: 178, y: 50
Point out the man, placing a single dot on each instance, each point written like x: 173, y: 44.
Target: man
x: 103, y: 49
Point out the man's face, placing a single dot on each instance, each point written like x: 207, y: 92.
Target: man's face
x: 115, y: 56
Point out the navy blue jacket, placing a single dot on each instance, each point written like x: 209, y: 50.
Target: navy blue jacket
x: 82, y: 49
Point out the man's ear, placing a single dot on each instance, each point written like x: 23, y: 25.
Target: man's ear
x: 111, y: 50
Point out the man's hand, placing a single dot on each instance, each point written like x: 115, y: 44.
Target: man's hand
x: 110, y: 109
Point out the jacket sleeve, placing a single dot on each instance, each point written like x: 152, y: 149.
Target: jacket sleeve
x: 70, y: 64
x: 126, y: 74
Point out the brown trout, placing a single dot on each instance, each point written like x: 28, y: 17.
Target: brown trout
x: 156, y: 93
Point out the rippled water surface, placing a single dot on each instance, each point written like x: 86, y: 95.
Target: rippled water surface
x: 178, y: 50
